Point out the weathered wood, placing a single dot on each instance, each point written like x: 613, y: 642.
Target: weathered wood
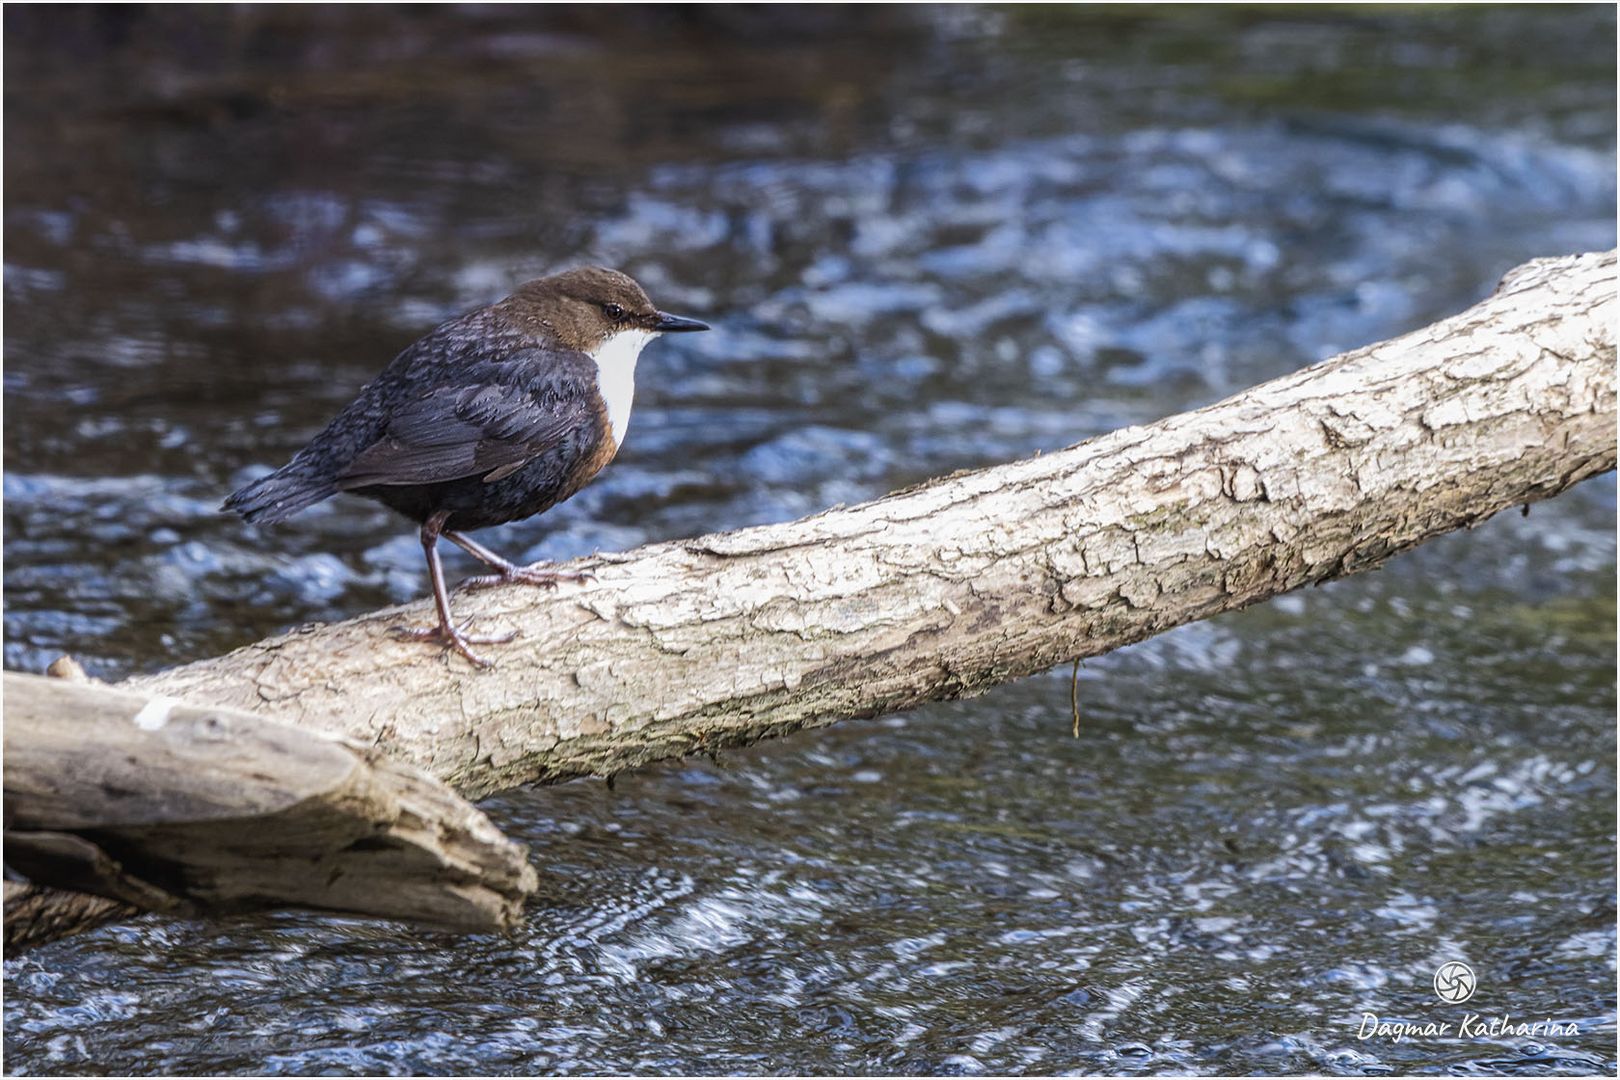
x: 951, y: 587
x: 166, y: 806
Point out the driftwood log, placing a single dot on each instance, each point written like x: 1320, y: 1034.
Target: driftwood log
x: 166, y: 806
x: 951, y: 587
x: 961, y: 583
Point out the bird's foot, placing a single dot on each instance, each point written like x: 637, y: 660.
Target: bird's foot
x: 455, y: 638
x: 528, y: 575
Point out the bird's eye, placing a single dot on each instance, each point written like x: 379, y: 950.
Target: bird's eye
x: 613, y: 311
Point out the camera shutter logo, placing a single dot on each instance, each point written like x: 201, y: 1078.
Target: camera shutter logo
x: 1455, y: 983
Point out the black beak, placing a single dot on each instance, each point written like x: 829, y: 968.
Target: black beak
x: 675, y: 324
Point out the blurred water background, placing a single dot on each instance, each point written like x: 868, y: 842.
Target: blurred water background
x: 929, y: 238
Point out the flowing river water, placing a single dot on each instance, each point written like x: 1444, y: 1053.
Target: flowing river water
x: 928, y: 239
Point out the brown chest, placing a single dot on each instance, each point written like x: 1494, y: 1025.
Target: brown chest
x: 597, y: 455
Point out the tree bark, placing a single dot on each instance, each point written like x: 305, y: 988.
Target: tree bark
x: 951, y: 587
x: 164, y: 806
x: 939, y: 591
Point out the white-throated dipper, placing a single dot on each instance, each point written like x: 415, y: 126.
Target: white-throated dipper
x: 493, y: 417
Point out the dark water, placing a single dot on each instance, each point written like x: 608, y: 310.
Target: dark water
x: 930, y: 239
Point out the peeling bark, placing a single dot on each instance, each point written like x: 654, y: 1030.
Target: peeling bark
x: 939, y: 591
x: 948, y: 588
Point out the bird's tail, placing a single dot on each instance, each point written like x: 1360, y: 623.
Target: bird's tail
x: 279, y: 495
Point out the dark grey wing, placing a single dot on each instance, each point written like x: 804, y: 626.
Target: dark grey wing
x: 453, y: 432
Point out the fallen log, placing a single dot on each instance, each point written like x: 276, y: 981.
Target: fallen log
x: 156, y: 805
x: 951, y: 587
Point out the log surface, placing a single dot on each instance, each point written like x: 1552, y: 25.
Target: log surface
x: 949, y: 588
x: 166, y: 806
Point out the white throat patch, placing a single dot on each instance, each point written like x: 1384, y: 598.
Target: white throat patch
x: 616, y: 375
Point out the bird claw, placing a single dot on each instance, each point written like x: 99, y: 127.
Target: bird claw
x: 454, y: 638
x: 528, y: 575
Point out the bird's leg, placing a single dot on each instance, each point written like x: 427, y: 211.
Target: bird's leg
x: 446, y: 632
x: 508, y: 572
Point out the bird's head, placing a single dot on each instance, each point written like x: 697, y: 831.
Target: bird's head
x: 596, y: 310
